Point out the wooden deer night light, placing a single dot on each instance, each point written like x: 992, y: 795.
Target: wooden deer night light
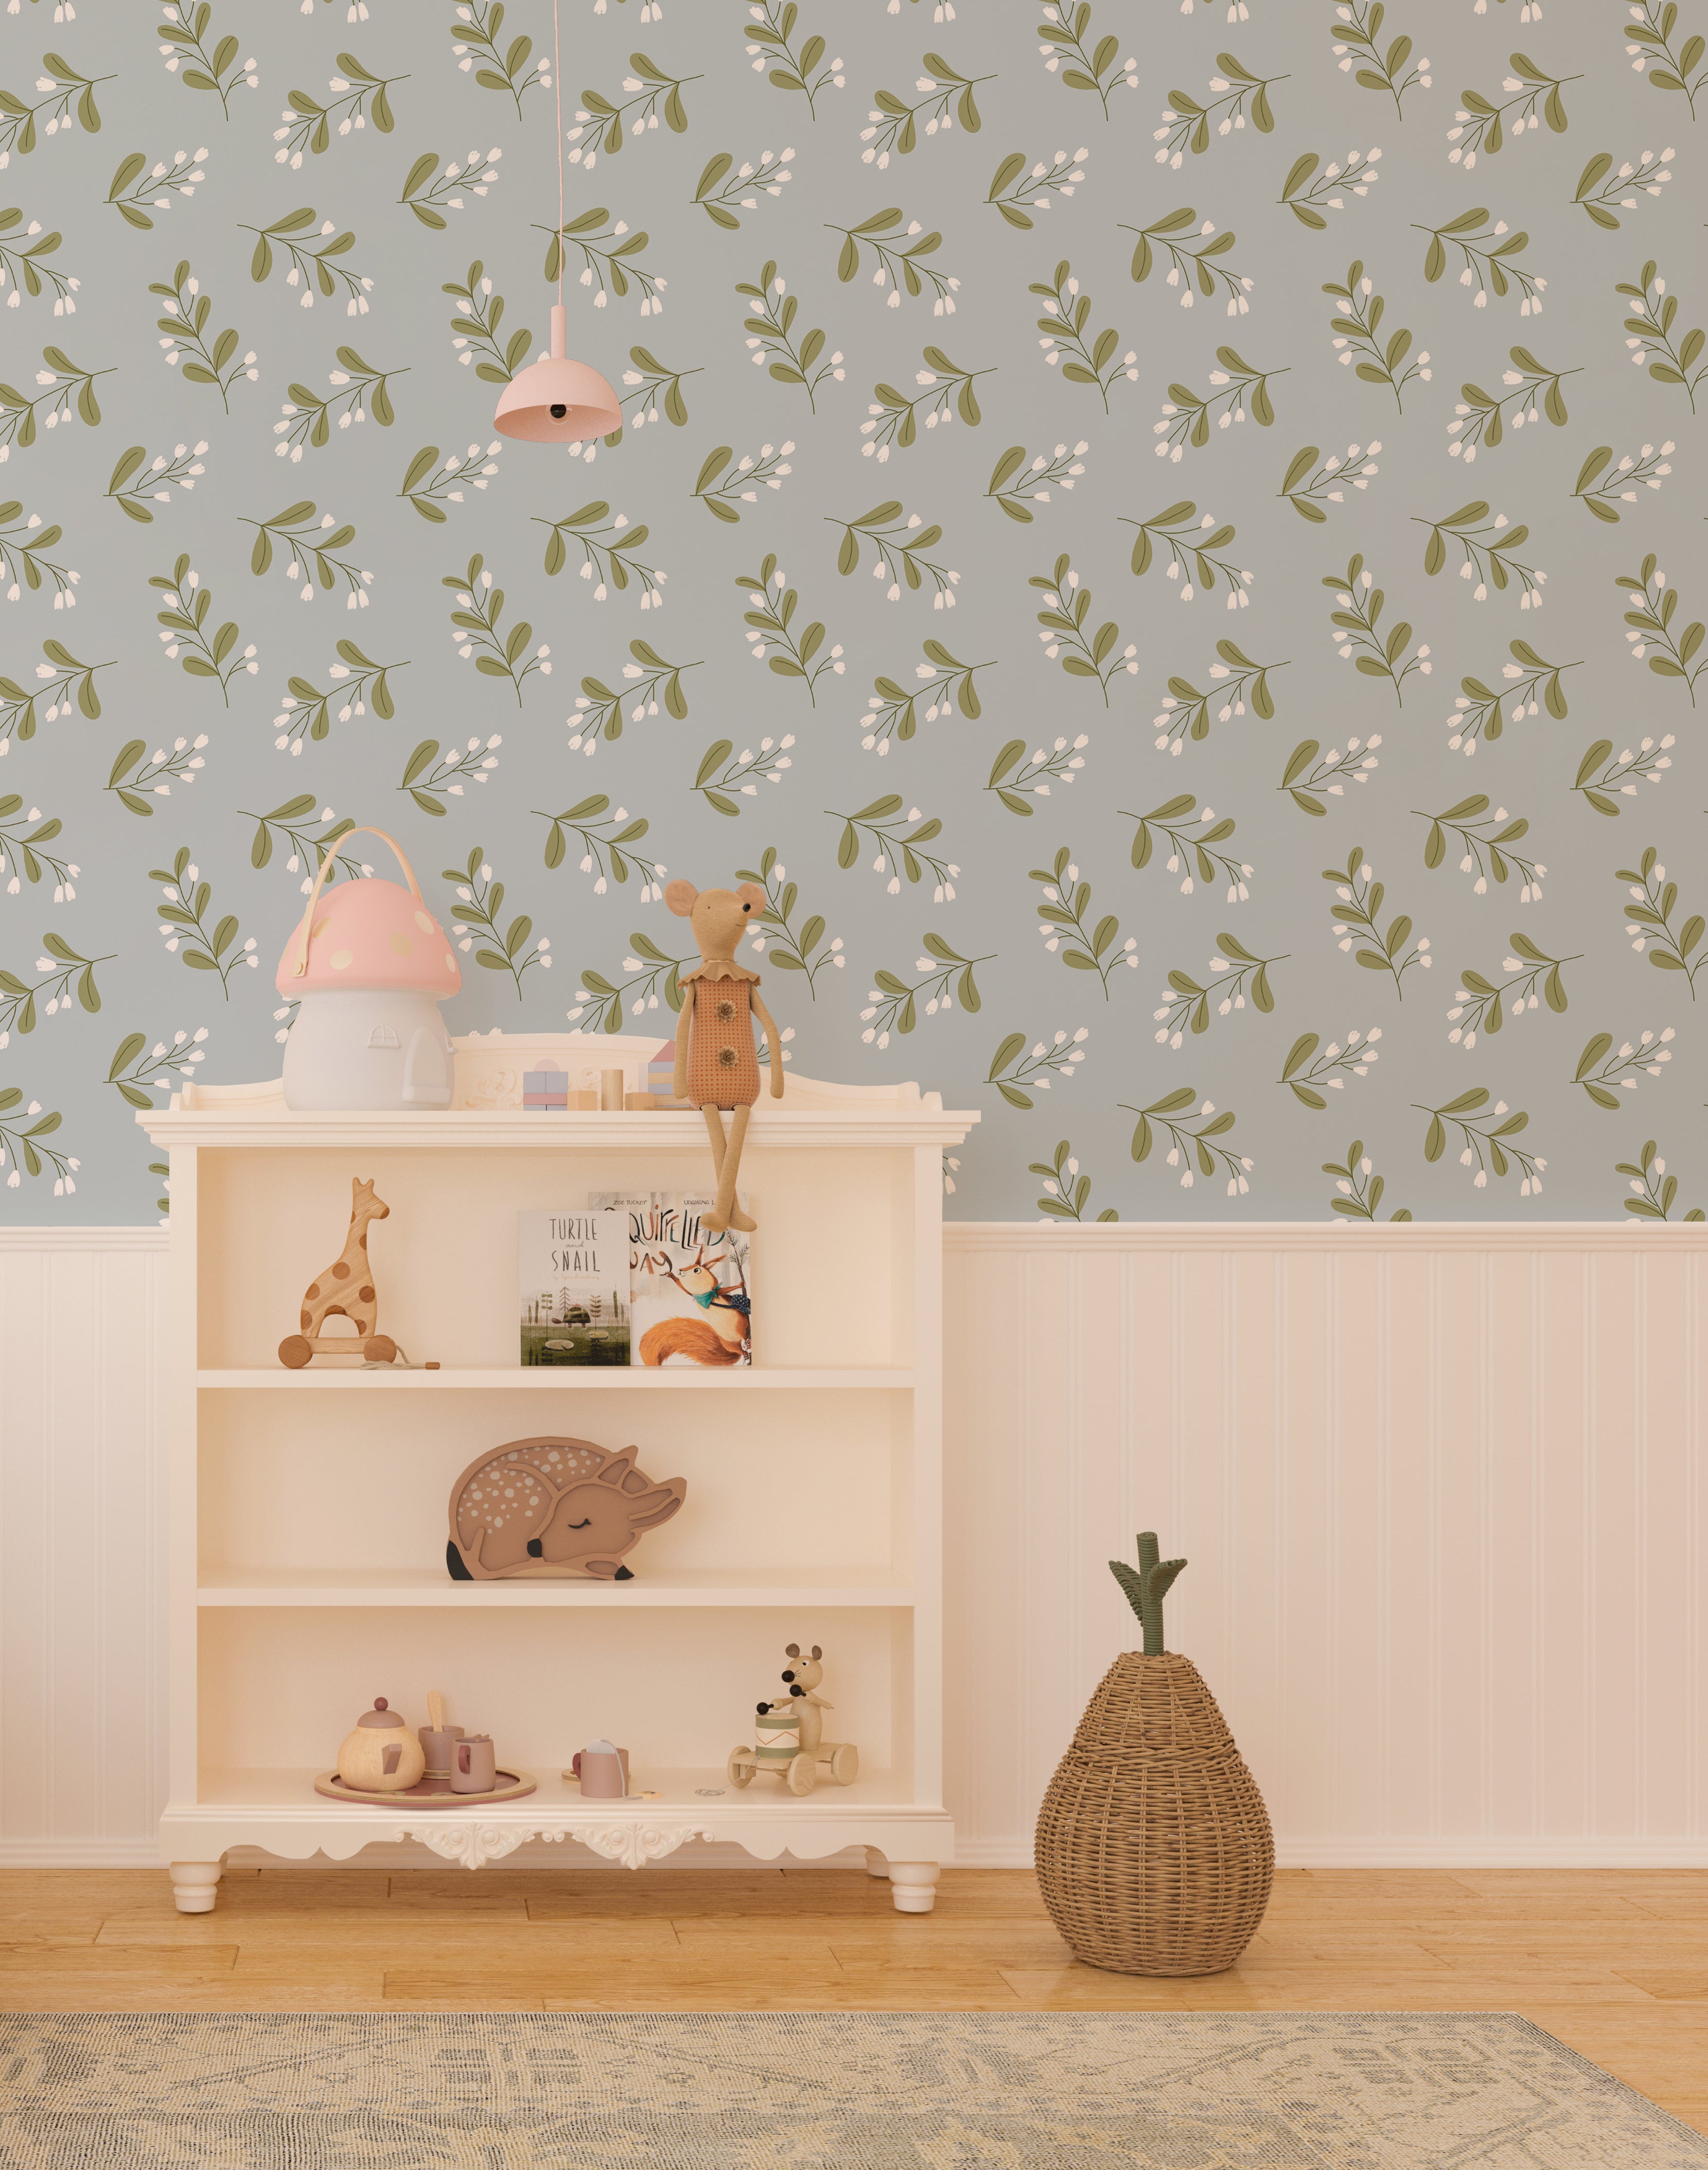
x: 344, y: 1289
x: 551, y: 1506
x: 717, y: 1064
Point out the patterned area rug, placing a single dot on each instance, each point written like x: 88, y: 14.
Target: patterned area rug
x: 816, y: 2091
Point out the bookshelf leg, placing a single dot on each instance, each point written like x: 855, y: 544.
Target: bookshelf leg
x: 193, y: 1886
x: 913, y: 1885
x: 875, y: 1864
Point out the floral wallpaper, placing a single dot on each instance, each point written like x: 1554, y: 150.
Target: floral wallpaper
x: 1169, y: 541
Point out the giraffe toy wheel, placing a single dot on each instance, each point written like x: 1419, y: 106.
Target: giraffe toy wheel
x: 294, y: 1352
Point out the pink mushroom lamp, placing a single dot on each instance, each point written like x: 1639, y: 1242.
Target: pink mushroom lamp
x: 368, y: 965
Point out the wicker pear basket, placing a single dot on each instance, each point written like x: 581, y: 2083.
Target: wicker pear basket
x: 1153, y: 1850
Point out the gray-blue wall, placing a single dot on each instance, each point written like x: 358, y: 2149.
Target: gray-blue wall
x: 1288, y: 561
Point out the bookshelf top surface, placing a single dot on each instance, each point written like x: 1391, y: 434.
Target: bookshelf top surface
x: 480, y: 1129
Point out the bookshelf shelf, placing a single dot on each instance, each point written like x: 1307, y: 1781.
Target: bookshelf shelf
x: 278, y: 1808
x: 612, y: 1378
x: 707, y: 1790
x: 306, y: 1539
x: 361, y: 1587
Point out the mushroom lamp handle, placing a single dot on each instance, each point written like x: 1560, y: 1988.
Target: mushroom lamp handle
x: 326, y: 866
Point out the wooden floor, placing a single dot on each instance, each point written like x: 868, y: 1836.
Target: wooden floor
x: 1615, y: 1963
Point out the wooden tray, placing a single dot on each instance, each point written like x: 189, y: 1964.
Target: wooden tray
x: 428, y: 1793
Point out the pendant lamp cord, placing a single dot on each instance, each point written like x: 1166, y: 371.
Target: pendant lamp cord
x: 558, y: 91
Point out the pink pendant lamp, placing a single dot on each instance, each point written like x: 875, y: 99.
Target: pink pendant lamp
x: 558, y: 401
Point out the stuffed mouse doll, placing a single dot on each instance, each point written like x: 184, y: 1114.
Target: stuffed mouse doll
x: 717, y: 1065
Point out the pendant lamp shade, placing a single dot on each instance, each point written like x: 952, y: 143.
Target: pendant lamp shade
x: 558, y: 401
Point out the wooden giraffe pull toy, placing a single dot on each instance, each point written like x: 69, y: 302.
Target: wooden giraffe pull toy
x: 344, y: 1289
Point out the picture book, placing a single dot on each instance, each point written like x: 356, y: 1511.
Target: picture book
x: 572, y: 1273
x: 690, y: 1292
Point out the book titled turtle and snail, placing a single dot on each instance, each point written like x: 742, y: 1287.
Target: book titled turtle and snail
x: 634, y: 1277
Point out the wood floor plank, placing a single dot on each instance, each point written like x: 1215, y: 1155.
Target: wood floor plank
x: 974, y: 1990
x: 1413, y: 1915
x: 776, y: 1905
x: 407, y: 1937
x: 1671, y: 1985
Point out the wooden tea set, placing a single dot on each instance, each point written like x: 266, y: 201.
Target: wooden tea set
x: 437, y: 1766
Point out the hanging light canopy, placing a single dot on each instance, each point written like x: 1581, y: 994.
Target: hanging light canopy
x: 558, y: 401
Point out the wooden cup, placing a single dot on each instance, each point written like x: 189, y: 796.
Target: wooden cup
x: 440, y: 1749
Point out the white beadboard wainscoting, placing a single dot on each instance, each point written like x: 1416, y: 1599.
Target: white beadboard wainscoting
x: 83, y: 1546
x: 1440, y: 1485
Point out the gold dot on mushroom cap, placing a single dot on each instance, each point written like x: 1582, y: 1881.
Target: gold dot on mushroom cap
x: 450, y: 962
x: 401, y: 945
x: 339, y: 959
x: 424, y: 923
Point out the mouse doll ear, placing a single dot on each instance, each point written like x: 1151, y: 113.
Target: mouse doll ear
x: 750, y: 893
x: 679, y: 896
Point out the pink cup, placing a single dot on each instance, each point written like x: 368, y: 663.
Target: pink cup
x: 604, y: 1772
x: 440, y: 1749
x: 473, y: 1764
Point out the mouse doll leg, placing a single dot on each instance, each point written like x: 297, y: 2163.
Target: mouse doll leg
x: 724, y: 1213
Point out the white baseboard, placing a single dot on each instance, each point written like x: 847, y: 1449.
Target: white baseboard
x: 1470, y: 1853
x: 79, y: 1853
x: 1447, y: 1853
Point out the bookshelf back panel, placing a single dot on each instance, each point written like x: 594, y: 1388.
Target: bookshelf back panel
x: 283, y: 1688
x: 832, y: 1259
x: 777, y: 1482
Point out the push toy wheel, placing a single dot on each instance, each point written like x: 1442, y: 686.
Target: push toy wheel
x: 740, y: 1767
x: 294, y: 1352
x: 803, y: 1772
x: 844, y: 1764
x: 381, y: 1349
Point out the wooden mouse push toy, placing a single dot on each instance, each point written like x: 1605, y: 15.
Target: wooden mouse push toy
x: 791, y: 1733
x: 717, y: 1064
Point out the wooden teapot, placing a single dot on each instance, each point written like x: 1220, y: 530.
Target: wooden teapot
x: 382, y: 1755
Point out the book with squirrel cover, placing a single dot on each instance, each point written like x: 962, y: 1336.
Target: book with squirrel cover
x: 572, y: 1270
x: 690, y: 1294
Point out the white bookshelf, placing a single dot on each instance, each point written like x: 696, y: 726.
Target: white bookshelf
x: 307, y: 1568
